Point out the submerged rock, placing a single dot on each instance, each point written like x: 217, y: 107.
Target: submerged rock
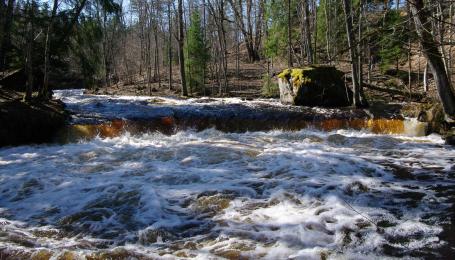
x: 158, y: 235
x: 314, y: 86
x: 211, y: 205
x: 450, y: 137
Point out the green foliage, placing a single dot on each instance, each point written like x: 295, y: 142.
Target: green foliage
x: 275, y: 41
x: 86, y: 47
x: 16, y: 48
x: 196, y: 54
x: 393, y: 39
x: 337, y: 33
x: 270, y: 88
x: 72, y: 50
x: 276, y: 17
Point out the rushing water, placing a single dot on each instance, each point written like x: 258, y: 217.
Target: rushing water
x: 306, y: 194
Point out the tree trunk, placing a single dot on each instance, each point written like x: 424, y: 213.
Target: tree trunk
x: 327, y: 31
x: 433, y: 56
x: 105, y: 51
x: 204, y: 36
x: 148, y: 49
x: 170, y: 43
x: 290, y: 63
x: 247, y: 30
x: 237, y: 53
x: 409, y: 54
x: 360, y: 51
x: 44, y: 93
x: 29, y: 50
x: 157, y: 57
x: 224, y: 46
x: 425, y: 78
x: 315, y: 31
x: 441, y: 32
x: 5, y: 31
x: 362, y: 15
x: 181, y: 41
x: 352, y: 51
x: 451, y: 31
x: 309, y: 45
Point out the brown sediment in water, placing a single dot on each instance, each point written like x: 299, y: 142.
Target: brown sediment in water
x: 115, y: 128
x: 170, y: 125
x: 377, y: 126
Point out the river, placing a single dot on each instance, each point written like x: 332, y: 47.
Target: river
x: 310, y: 193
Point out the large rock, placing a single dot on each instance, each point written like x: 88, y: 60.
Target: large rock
x: 26, y: 123
x: 314, y: 86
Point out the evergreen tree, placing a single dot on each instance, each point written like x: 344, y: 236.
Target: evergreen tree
x: 196, y: 54
x: 331, y: 33
x: 393, y: 39
x: 86, y: 48
x: 276, y: 17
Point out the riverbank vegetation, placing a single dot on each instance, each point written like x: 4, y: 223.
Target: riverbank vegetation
x: 391, y: 50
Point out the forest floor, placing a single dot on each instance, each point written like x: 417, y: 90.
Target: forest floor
x: 248, y: 83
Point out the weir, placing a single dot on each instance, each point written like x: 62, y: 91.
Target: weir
x: 111, y: 116
x: 227, y: 178
x: 170, y: 125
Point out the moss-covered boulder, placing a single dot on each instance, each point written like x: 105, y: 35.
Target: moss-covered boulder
x: 314, y: 86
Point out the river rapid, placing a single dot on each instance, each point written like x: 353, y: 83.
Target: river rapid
x: 211, y: 194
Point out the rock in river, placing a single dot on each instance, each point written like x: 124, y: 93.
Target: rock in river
x: 314, y: 86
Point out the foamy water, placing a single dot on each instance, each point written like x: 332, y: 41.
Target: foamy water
x: 208, y: 195
x: 96, y: 108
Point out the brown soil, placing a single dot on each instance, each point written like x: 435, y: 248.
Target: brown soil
x: 247, y: 83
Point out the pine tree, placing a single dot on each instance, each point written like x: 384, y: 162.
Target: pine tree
x: 393, y: 37
x: 196, y: 54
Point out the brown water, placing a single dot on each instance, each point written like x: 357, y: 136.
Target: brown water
x: 170, y: 125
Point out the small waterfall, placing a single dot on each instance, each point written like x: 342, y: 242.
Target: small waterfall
x: 413, y: 127
x: 169, y: 125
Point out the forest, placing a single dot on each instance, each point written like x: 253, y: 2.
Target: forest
x: 227, y: 129
x: 228, y: 47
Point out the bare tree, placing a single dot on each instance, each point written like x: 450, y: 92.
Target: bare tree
x: 169, y: 17
x: 433, y: 56
x: 44, y: 92
x: 290, y: 63
x: 29, y: 50
x: 306, y: 31
x: 251, y: 30
x: 181, y: 42
x: 352, y: 50
x: 217, y: 11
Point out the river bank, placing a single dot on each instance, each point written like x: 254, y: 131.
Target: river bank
x: 27, y: 123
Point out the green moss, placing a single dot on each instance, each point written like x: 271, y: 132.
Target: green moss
x: 315, y: 85
x: 308, y: 75
x: 299, y: 76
